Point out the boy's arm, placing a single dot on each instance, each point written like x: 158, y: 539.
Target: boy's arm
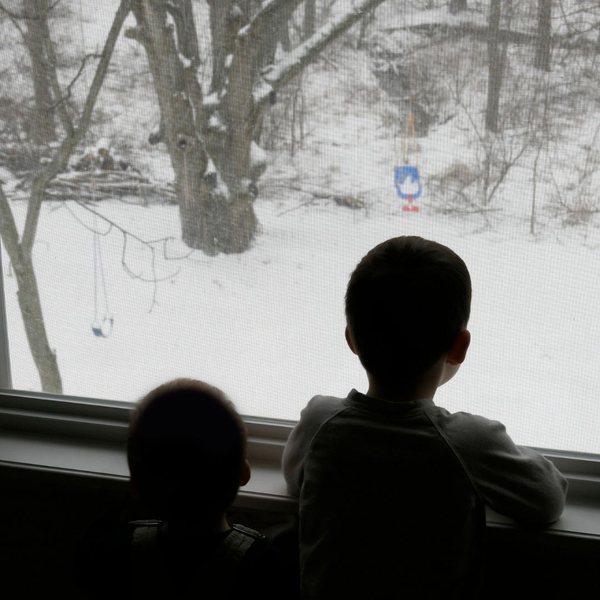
x: 314, y: 415
x: 513, y: 480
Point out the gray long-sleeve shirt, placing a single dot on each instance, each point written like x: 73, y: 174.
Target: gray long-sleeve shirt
x: 392, y: 496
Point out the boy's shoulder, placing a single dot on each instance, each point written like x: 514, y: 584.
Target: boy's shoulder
x: 321, y: 407
x: 469, y: 430
x: 318, y: 411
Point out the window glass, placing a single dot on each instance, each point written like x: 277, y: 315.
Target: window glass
x: 202, y: 215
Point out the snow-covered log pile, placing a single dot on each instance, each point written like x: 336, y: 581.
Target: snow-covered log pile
x: 105, y: 185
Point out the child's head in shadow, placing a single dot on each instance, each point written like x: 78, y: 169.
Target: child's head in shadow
x: 407, y: 307
x: 187, y: 454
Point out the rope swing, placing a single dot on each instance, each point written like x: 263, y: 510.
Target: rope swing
x: 102, y: 325
x: 103, y: 320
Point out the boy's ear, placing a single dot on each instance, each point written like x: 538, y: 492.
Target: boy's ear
x: 245, y: 474
x: 458, y: 352
x: 349, y: 341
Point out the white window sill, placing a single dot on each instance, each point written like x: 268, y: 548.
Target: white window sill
x: 61, y: 456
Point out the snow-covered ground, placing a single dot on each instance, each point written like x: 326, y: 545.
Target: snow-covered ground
x: 268, y: 325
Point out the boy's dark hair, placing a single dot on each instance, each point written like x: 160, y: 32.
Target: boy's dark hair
x: 406, y: 301
x: 186, y: 449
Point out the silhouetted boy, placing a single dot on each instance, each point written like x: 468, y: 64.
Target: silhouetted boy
x: 393, y: 488
x: 187, y: 456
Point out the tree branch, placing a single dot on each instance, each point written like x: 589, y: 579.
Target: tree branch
x: 23, y: 16
x: 102, y: 69
x: 268, y: 13
x: 149, y: 244
x: 50, y: 63
x: 61, y: 158
x: 14, y: 15
x: 61, y: 98
x: 297, y: 60
x: 8, y: 229
x: 14, y: 18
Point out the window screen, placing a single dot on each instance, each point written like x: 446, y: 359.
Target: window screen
x: 187, y: 186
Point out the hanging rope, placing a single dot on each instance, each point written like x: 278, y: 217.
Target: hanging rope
x: 103, y: 323
x: 409, y: 132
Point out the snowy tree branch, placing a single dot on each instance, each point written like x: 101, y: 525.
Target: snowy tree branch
x: 269, y: 12
x: 290, y: 66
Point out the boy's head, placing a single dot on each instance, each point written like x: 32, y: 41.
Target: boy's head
x: 187, y: 450
x: 406, y: 301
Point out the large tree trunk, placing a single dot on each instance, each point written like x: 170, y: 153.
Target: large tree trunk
x: 543, y: 47
x: 216, y: 212
x: 36, y: 40
x: 211, y: 142
x: 497, y: 59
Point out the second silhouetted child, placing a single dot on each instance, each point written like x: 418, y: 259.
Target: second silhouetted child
x: 187, y: 456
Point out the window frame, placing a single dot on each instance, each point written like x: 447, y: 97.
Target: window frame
x: 5, y: 370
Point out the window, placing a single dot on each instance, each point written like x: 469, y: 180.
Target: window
x: 174, y: 241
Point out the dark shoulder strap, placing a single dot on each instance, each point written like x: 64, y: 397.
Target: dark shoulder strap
x: 148, y: 574
x: 145, y: 558
x: 145, y: 535
x: 236, y: 544
x: 230, y: 554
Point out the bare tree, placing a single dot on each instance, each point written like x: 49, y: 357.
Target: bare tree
x: 32, y: 23
x: 211, y: 140
x: 20, y: 248
x: 36, y: 36
x: 497, y: 49
x: 310, y: 18
x: 543, y: 47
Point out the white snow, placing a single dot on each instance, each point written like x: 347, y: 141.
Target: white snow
x: 215, y: 122
x: 211, y: 100
x: 186, y: 62
x: 8, y: 181
x: 210, y: 167
x: 258, y: 156
x: 438, y: 16
x: 267, y: 326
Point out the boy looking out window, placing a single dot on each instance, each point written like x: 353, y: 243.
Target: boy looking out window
x: 392, y: 488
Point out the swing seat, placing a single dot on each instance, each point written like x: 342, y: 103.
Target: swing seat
x: 408, y: 182
x: 104, y: 329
